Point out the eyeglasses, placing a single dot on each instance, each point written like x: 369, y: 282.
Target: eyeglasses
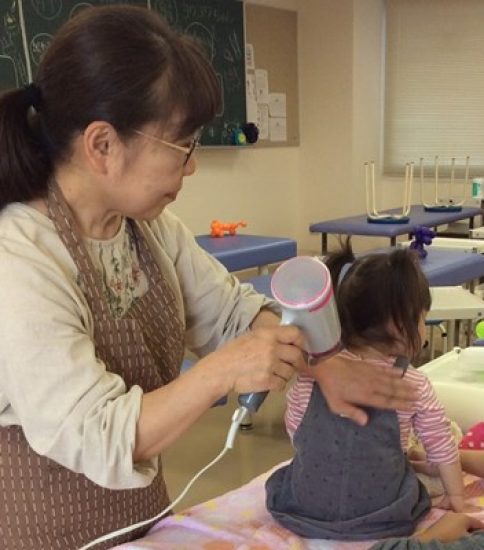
x: 188, y: 151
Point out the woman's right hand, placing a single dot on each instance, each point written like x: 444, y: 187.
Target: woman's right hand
x: 263, y: 359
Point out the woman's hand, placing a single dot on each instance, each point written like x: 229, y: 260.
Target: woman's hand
x: 451, y: 526
x: 263, y: 359
x: 346, y: 384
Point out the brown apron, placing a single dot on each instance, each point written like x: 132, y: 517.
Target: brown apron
x: 46, y: 506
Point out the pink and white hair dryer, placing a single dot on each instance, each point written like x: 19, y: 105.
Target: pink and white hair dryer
x: 303, y: 288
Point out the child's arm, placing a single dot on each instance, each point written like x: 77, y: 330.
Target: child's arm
x: 451, y: 476
x: 434, y: 430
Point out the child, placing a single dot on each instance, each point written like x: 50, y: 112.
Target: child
x: 350, y: 482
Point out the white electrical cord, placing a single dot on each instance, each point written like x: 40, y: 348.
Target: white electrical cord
x: 237, y: 418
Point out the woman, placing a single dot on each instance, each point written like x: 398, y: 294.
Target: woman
x: 101, y: 288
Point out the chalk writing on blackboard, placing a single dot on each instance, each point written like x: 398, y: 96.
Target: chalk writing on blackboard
x: 168, y: 9
x: 47, y: 9
x: 38, y: 46
x: 13, y: 68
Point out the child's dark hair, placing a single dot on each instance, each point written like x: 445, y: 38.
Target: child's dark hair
x: 119, y: 64
x: 378, y: 290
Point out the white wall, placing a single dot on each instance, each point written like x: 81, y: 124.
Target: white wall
x: 280, y: 191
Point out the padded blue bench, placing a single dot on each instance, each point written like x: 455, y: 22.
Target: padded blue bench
x: 237, y: 252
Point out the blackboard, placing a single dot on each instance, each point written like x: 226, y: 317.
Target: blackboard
x: 13, y: 63
x: 44, y: 17
x: 218, y: 24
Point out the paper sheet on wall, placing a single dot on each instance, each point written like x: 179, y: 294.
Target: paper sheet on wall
x: 252, y: 111
x: 249, y: 57
x: 278, y: 128
x: 277, y: 105
x: 250, y: 90
x: 263, y: 120
x: 251, y: 97
x: 262, y: 85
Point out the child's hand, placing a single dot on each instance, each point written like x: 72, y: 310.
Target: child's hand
x: 455, y: 503
x: 451, y: 526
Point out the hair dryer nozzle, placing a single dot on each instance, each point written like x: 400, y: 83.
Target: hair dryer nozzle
x: 303, y: 288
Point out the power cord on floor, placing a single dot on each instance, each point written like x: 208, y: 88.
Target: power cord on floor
x: 237, y: 419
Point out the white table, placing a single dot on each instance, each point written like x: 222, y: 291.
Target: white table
x: 454, y: 304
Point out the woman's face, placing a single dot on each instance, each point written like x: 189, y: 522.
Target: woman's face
x: 150, y: 173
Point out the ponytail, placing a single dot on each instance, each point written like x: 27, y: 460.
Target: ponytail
x: 335, y: 261
x: 24, y: 164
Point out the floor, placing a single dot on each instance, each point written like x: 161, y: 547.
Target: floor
x: 255, y: 451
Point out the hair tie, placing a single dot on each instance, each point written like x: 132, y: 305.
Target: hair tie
x: 343, y: 272
x: 33, y: 96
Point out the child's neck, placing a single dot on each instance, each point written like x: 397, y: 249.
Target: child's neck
x: 374, y: 351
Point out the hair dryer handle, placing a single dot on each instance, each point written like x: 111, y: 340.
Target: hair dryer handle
x: 252, y: 401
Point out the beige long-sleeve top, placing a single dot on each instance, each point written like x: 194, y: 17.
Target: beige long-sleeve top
x: 51, y: 383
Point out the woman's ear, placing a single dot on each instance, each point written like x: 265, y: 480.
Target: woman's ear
x: 101, y: 146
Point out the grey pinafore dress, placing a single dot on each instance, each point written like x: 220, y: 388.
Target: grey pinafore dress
x: 46, y: 506
x: 346, y: 482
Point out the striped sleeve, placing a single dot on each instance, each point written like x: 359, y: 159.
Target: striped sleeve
x: 431, y: 424
x: 297, y: 402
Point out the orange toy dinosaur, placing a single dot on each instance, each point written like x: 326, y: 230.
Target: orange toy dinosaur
x: 219, y: 229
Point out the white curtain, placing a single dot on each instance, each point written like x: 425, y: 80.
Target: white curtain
x: 434, y: 84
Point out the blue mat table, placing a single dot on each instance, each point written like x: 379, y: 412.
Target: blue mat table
x: 442, y: 267
x: 359, y: 225
x: 237, y: 252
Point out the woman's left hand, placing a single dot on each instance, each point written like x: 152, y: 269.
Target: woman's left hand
x: 347, y: 385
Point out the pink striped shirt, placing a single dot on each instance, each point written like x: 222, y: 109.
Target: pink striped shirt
x: 427, y: 417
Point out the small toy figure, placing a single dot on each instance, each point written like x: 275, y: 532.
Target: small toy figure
x: 251, y: 132
x: 219, y: 229
x: 422, y: 236
x: 238, y: 137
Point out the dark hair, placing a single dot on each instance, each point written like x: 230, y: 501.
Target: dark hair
x: 376, y: 290
x: 119, y: 64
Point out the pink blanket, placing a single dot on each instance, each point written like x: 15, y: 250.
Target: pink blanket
x: 238, y: 520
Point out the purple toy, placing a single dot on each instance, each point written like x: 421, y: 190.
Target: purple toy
x: 422, y: 236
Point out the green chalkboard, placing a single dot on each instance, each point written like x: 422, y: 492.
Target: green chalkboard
x: 44, y: 17
x: 13, y: 63
x: 218, y: 24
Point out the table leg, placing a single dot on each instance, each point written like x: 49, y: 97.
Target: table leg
x: 457, y: 332
x: 263, y: 270
x: 451, y: 331
x: 324, y: 243
x: 468, y: 332
x: 471, y: 222
x: 393, y: 241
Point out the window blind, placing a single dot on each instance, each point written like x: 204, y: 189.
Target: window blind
x: 434, y: 84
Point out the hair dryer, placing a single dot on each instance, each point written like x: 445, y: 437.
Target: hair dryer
x: 302, y: 286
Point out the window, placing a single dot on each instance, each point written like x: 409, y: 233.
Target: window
x: 434, y: 84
